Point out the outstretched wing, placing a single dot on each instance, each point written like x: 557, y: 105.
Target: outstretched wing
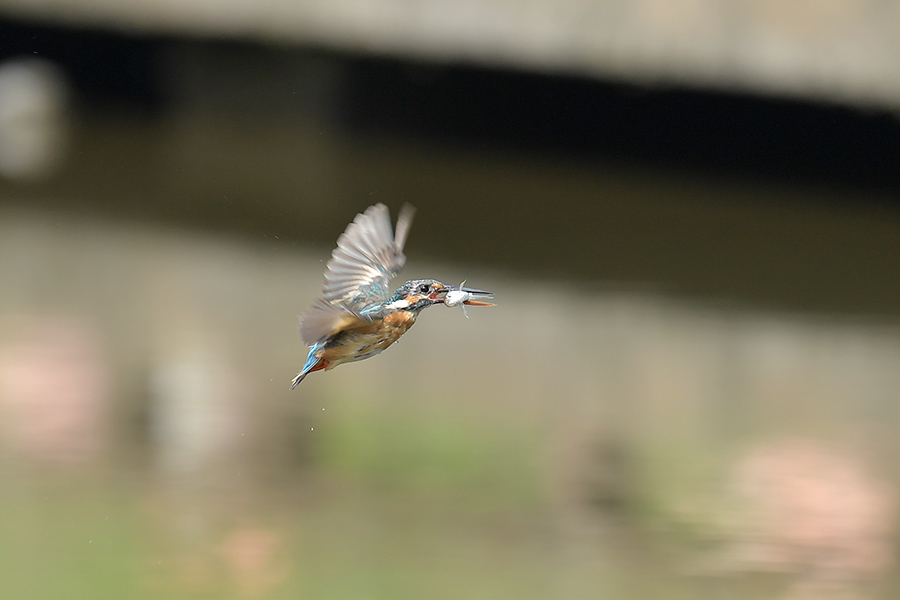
x: 367, y: 257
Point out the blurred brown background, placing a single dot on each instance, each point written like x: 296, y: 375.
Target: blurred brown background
x: 687, y: 211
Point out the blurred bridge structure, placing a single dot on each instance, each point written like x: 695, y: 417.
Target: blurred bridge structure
x: 841, y: 50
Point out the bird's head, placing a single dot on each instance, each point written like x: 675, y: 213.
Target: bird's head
x: 422, y: 293
x: 418, y: 294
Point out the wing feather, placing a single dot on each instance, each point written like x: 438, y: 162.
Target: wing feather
x: 366, y: 258
x: 404, y: 222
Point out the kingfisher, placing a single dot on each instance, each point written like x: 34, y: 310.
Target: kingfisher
x: 357, y: 317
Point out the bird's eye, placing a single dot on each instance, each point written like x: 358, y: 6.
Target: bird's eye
x: 424, y: 288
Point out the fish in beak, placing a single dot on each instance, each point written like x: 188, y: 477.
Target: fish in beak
x: 466, y: 296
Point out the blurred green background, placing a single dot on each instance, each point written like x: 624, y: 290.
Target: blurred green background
x: 689, y: 387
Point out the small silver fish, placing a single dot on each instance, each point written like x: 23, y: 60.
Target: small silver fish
x: 463, y: 296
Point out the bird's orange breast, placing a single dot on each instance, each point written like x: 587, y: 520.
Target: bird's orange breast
x: 400, y: 321
x: 366, y: 339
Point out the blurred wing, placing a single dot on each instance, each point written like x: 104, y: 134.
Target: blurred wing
x: 323, y: 320
x: 366, y: 259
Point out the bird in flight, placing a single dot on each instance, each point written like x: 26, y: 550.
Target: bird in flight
x: 357, y: 316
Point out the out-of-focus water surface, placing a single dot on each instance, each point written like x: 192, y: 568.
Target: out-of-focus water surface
x: 687, y: 390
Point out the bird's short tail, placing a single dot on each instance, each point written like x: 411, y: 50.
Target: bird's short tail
x: 313, y: 364
x: 296, y: 380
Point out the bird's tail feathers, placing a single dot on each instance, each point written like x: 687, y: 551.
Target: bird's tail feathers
x: 300, y: 377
